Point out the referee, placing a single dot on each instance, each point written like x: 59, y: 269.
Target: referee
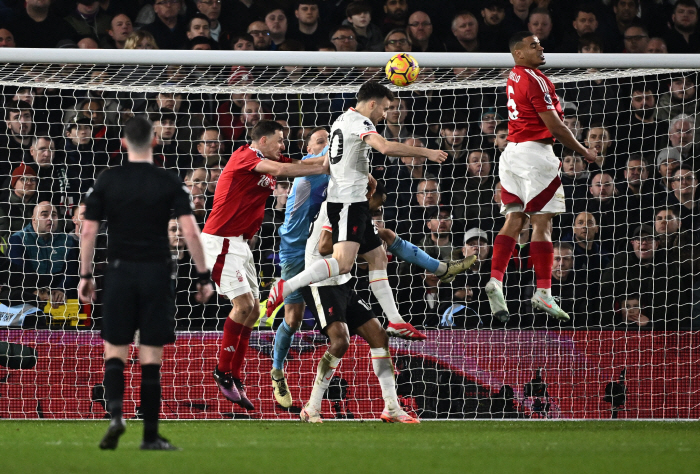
x: 137, y: 200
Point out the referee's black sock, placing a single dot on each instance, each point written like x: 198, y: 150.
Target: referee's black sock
x: 150, y: 400
x: 114, y: 386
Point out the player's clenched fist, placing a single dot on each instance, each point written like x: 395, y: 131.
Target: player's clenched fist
x: 438, y: 156
x: 591, y: 155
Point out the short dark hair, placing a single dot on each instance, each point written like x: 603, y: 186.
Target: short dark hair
x: 209, y: 128
x: 308, y: 136
x: 162, y: 114
x: 264, y: 128
x: 668, y: 208
x: 502, y: 127
x: 241, y: 36
x: 197, y: 40
x: 615, y: 2
x: 138, y: 132
x: 355, y: 8
x: 589, y: 39
x: 564, y: 245
x: 197, y: 16
x: 305, y: 2
x: 516, y: 39
x: 374, y: 90
x: 540, y: 11
x: 338, y: 28
x: 641, y: 87
x: 16, y: 106
x: 41, y: 136
x: 586, y: 8
x: 685, y: 3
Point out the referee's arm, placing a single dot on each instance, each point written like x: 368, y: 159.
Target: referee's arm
x: 88, y: 234
x: 190, y: 232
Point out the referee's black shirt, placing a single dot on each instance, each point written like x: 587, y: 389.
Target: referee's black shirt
x: 137, y: 200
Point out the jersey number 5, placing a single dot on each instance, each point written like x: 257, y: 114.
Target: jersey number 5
x: 336, y: 146
x: 512, y: 110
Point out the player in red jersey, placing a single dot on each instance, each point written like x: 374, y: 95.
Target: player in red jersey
x: 529, y: 174
x: 239, y: 204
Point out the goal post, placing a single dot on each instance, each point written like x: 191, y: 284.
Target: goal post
x: 626, y: 256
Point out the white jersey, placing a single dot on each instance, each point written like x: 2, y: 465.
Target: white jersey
x: 349, y: 157
x: 322, y: 224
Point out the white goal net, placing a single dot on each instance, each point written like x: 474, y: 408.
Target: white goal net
x: 626, y: 261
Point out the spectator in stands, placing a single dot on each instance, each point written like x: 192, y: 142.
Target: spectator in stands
x: 213, y: 173
x: 88, y: 43
x: 56, y: 184
x: 590, y: 43
x: 201, y: 43
x: 168, y: 28
x: 165, y: 150
x: 657, y: 46
x: 642, y: 271
x: 499, y: 143
x: 453, y: 134
x: 465, y: 34
x: 598, y: 137
x: 7, y: 39
x: 84, y: 162
x: 631, y: 313
x: 419, y: 298
x: 682, y: 37
x: 590, y: 256
x: 119, y: 30
x: 368, y: 35
x: 344, y: 38
x: 685, y: 197
x: 516, y: 15
x: 89, y: 20
x: 437, y: 242
x: 199, y: 204
x: 640, y: 132
x: 476, y: 242
x: 18, y: 137
x: 566, y: 284
x: 188, y: 312
x: 574, y: 178
x: 140, y: 39
x: 261, y: 35
x: 212, y: 10
x: 681, y: 135
x: 637, y: 193
x: 394, y: 123
x: 668, y: 161
x: 680, y: 98
x: 43, y: 263
x: 585, y: 22
x: 402, y: 181
x: 209, y: 147
x: 636, y: 37
x: 17, y: 203
x: 242, y: 42
x: 196, y: 179
x: 411, y: 225
x: 472, y: 197
x: 600, y: 202
x: 251, y: 113
x: 37, y: 27
x: 395, y: 15
x: 420, y: 32
x: 397, y: 41
x: 626, y: 12
x: 274, y: 218
x: 668, y: 227
x: 198, y: 26
x: 494, y: 31
x: 276, y: 22
x: 540, y: 24
x: 487, y: 130
x: 307, y: 28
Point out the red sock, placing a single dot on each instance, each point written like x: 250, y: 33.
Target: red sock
x: 503, y: 247
x: 232, y: 332
x: 239, y: 355
x: 542, y: 255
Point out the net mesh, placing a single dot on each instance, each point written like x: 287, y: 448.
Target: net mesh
x: 630, y: 350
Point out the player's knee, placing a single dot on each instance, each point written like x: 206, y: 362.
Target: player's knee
x: 340, y: 344
x: 344, y: 266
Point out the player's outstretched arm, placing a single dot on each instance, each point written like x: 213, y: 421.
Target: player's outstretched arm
x: 291, y: 170
x: 564, y: 135
x: 190, y: 232
x: 88, y: 235
x: 388, y: 148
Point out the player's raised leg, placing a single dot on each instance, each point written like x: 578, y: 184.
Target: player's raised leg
x: 379, y: 285
x: 542, y: 255
x: 376, y: 337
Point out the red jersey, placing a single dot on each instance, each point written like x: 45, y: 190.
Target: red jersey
x: 241, y: 193
x: 529, y: 92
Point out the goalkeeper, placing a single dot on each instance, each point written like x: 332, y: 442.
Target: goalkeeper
x: 303, y: 205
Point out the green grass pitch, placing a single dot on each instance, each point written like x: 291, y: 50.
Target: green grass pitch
x: 36, y: 447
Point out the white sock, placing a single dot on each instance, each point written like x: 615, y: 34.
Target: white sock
x: 379, y: 284
x: 547, y: 292
x: 441, y: 269
x: 318, y: 271
x: 324, y: 373
x: 498, y: 282
x: 384, y: 370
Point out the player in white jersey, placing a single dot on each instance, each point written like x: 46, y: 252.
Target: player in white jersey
x: 352, y: 136
x: 340, y: 312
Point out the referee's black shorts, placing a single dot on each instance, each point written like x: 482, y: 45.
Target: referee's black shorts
x: 139, y: 295
x: 338, y: 303
x: 353, y: 222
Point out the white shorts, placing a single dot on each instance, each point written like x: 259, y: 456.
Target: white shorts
x: 530, y: 182
x: 231, y: 263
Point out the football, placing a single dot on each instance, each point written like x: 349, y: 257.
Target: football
x: 402, y: 69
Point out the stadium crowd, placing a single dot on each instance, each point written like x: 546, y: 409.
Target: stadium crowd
x: 625, y: 251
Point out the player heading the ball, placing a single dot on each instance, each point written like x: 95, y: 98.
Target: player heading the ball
x: 353, y: 134
x: 529, y: 174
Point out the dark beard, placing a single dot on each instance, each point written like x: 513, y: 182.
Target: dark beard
x: 645, y: 114
x: 685, y: 29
